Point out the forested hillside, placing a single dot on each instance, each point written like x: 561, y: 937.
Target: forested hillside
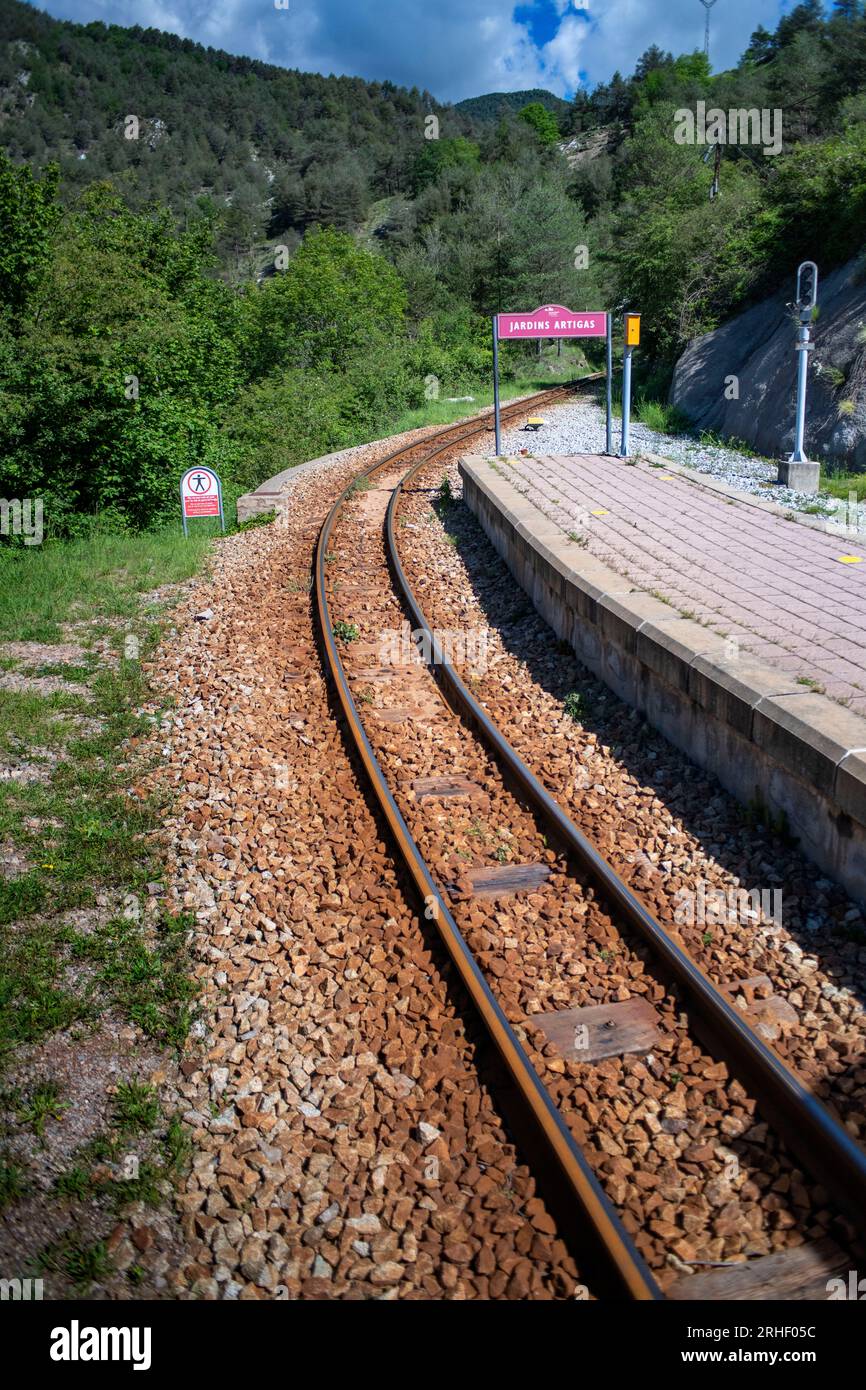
x: 493, y: 105
x: 280, y: 263
x: 288, y: 149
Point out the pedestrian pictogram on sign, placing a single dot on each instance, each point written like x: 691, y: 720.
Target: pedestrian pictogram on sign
x: 201, y: 495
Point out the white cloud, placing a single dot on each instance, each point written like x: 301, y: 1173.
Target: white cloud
x: 564, y: 54
x: 453, y: 48
x: 621, y: 30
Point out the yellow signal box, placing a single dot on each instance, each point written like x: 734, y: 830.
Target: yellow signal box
x: 632, y: 330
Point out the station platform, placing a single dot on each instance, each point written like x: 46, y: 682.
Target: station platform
x: 739, y: 631
x: 789, y: 594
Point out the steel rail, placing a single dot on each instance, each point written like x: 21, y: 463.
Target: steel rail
x: 628, y: 1274
x: 818, y: 1139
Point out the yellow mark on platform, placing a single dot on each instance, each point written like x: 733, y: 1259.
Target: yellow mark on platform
x: 600, y: 511
x: 667, y: 477
x: 850, y: 559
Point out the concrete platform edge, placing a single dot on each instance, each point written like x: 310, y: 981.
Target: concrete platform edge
x: 768, y: 740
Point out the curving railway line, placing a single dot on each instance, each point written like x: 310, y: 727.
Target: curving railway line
x: 550, y: 886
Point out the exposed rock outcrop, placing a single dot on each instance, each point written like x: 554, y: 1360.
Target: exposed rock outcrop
x: 757, y: 347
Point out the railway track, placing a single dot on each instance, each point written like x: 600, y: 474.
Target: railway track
x: 545, y: 866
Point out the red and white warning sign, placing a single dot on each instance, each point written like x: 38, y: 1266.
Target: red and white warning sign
x: 200, y: 493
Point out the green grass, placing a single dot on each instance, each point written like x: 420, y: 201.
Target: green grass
x: 533, y: 374
x: 80, y: 830
x: 574, y: 705
x: 98, y: 1167
x: 82, y: 1264
x: 262, y: 519
x: 88, y: 828
x: 27, y: 717
x: 92, y: 829
x: 53, y: 976
x: 839, y: 484
x: 41, y: 1104
x: 13, y: 1184
x: 658, y: 415
x: 651, y: 411
x: 102, y: 576
x: 136, y: 1107
x: 66, y: 670
x: 73, y: 1185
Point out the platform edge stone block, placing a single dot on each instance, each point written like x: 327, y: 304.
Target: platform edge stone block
x: 622, y: 618
x: 850, y: 788
x: 808, y: 734
x: 273, y: 494
x: 730, y: 688
x: 670, y: 646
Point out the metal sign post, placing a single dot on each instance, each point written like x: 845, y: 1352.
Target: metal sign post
x: 608, y: 448
x: 547, y: 321
x: 626, y: 402
x: 796, y: 471
x: 807, y: 295
x: 201, y: 494
x: 632, y: 339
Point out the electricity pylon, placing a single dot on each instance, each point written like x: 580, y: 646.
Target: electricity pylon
x: 708, y: 5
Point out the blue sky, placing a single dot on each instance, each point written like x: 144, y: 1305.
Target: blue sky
x: 453, y: 48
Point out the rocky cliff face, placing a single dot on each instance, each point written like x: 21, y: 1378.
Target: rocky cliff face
x: 757, y: 347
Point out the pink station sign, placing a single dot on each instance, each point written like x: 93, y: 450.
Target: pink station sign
x: 552, y: 321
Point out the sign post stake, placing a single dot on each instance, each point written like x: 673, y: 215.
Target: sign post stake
x: 806, y: 298
x: 626, y: 402
x: 796, y: 471
x: 496, y: 382
x: 609, y: 386
x: 632, y: 338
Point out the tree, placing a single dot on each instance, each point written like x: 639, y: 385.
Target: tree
x: 676, y: 256
x: 762, y: 46
x: 650, y: 61
x: 542, y: 121
x: 438, y: 155
x: 332, y: 303
x: 807, y: 16
x: 115, y: 371
x: 28, y: 217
